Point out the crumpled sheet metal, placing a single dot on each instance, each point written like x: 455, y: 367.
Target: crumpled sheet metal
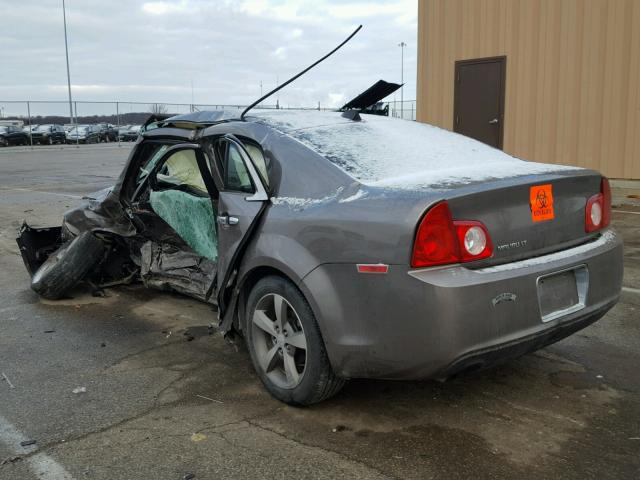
x: 169, y: 268
x: 100, y: 211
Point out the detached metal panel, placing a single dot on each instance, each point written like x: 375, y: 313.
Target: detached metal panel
x: 572, y: 78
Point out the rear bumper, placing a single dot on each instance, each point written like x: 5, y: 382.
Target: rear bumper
x: 412, y: 324
x: 494, y: 355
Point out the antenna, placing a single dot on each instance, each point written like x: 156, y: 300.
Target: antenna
x: 244, y: 112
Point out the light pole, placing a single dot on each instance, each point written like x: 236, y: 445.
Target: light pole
x: 66, y: 51
x: 402, y: 45
x: 192, y: 101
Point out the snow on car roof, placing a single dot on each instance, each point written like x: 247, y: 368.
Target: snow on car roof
x: 389, y: 152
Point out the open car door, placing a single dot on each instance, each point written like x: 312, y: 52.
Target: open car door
x: 174, y: 208
x: 242, y: 200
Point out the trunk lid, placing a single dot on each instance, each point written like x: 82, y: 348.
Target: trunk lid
x: 528, y: 216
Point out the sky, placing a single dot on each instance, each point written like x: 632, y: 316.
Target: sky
x: 154, y: 51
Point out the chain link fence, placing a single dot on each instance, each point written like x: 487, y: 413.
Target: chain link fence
x: 28, y: 115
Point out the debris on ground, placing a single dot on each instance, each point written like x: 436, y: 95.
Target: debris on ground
x: 98, y: 293
x: 79, y: 390
x: 339, y: 428
x: 27, y: 443
x: 6, y: 379
x: 210, y: 399
x: 198, y: 437
x: 9, y: 460
x: 599, y: 376
x: 103, y: 344
x: 189, y: 476
x: 49, y: 331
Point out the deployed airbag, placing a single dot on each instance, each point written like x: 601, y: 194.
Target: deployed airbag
x: 192, y: 218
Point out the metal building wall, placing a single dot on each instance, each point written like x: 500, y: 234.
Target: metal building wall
x: 573, y: 74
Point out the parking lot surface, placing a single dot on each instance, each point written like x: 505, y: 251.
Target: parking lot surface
x: 133, y: 385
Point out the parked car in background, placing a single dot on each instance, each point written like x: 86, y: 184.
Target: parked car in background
x: 83, y: 134
x: 122, y: 129
x: 108, y: 133
x: 48, y: 134
x: 29, y: 128
x: 131, y: 134
x: 412, y: 253
x: 10, y: 135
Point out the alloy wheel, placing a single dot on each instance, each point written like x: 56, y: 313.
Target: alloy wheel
x: 279, y: 341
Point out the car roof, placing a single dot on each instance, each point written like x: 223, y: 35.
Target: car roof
x: 389, y: 152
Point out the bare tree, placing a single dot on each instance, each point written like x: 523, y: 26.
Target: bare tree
x: 158, y: 108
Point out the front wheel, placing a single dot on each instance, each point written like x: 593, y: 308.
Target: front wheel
x: 67, y: 266
x: 286, y: 346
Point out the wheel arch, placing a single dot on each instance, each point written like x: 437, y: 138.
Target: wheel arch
x: 257, y: 272
x: 249, y: 280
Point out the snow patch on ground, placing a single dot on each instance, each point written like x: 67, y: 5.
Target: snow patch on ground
x: 388, y: 152
x: 605, y: 238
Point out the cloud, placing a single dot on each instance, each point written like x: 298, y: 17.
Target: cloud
x: 163, y: 8
x: 151, y: 51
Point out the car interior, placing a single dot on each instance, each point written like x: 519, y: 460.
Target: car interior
x: 177, y: 192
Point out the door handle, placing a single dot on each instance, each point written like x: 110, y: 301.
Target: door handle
x: 494, y: 121
x: 227, y: 220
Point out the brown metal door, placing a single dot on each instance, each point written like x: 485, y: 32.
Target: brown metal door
x: 478, y: 110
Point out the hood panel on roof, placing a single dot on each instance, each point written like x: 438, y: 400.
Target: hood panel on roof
x: 371, y: 95
x: 208, y: 116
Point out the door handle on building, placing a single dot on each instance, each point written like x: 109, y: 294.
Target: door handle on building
x: 494, y: 121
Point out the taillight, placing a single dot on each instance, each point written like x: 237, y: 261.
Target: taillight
x: 440, y: 240
x: 435, y: 242
x: 473, y: 239
x: 605, y: 188
x: 597, y: 213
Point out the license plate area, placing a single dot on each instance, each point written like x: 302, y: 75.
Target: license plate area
x: 561, y: 293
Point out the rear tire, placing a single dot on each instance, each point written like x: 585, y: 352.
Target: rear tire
x: 67, y: 266
x: 268, y: 334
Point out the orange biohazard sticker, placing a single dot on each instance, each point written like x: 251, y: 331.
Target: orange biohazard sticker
x: 541, y: 201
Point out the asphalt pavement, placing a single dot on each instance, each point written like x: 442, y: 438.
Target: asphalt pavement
x: 133, y: 385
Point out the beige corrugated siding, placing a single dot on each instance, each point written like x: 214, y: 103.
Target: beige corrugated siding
x: 573, y: 74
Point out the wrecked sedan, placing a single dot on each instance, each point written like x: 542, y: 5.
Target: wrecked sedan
x: 342, y: 246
